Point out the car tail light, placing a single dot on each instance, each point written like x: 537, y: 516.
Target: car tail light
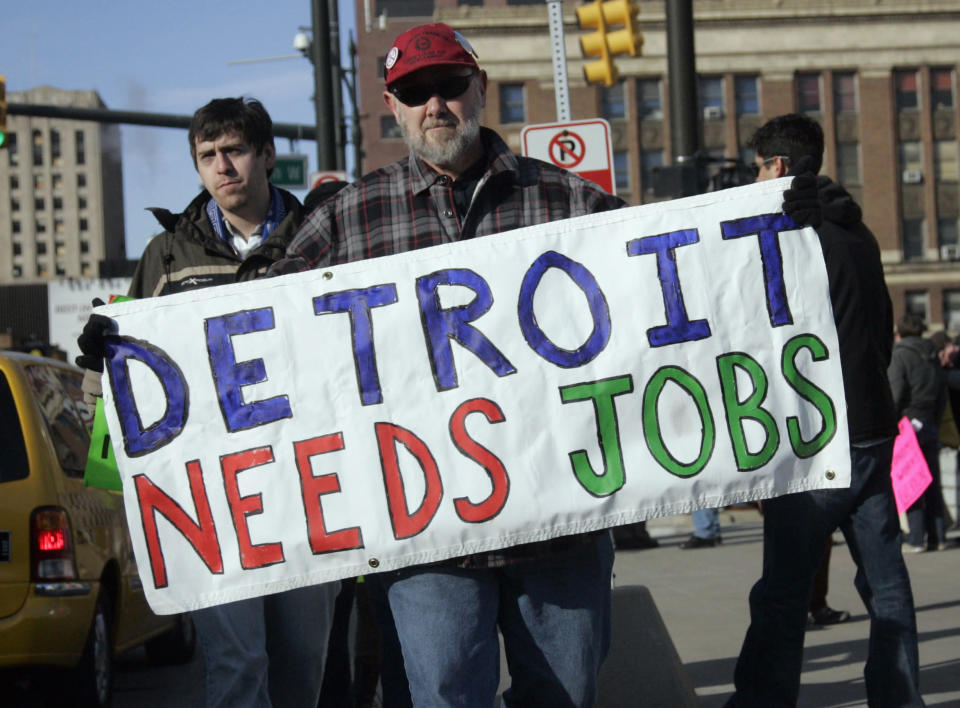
x: 51, y: 546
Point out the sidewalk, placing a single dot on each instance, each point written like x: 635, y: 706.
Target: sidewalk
x: 702, y: 597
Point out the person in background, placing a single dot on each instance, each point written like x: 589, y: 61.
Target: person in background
x: 919, y: 387
x: 266, y: 651
x: 551, y: 600
x: 706, y: 530
x: 797, y: 527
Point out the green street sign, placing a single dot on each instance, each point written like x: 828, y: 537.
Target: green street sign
x: 290, y: 172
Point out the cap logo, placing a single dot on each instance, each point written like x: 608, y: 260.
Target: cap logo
x: 391, y: 58
x: 423, y: 43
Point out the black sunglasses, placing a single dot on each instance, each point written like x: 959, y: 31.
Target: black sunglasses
x: 447, y: 88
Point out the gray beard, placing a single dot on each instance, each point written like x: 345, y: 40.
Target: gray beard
x: 448, y: 153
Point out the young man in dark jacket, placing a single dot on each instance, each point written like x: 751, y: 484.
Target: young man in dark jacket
x: 265, y: 651
x: 798, y: 526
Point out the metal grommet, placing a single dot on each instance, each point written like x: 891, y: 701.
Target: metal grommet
x: 830, y: 474
x: 373, y: 563
x: 328, y: 275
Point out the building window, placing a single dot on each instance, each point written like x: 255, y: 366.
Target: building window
x: 84, y: 246
x: 941, y: 88
x: 389, y: 128
x: 83, y: 225
x: 917, y: 302
x: 57, y: 181
x: 81, y: 147
x: 38, y: 204
x: 41, y: 270
x: 14, y: 204
x: 58, y: 202
x: 15, y: 226
x: 621, y: 170
x: 37, y: 148
x: 747, y: 95
x: 58, y: 226
x: 82, y: 201
x: 13, y: 157
x: 905, y: 84
x: 848, y: 163
x: 711, y: 96
x: 512, y: 103
x: 85, y: 269
x: 470, y: 2
x: 17, y: 271
x: 844, y: 93
x: 405, y: 8
x: 649, y: 102
x: 41, y: 248
x: 40, y: 226
x: 81, y: 180
x: 649, y: 159
x: 55, y: 147
x: 17, y: 248
x: 808, y: 93
x: 912, y: 239
x: 947, y: 236
x: 60, y: 270
x: 951, y: 311
x: 945, y: 160
x: 612, y: 102
x: 911, y: 156
x: 39, y: 182
x: 14, y: 182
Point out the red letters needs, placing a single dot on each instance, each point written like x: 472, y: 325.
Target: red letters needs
x: 312, y: 488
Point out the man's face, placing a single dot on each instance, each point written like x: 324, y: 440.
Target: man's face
x: 769, y: 167
x: 232, y: 171
x: 441, y: 131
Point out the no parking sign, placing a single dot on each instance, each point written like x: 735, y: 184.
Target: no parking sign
x: 581, y: 146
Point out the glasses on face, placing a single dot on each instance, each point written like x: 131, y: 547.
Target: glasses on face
x: 756, y: 167
x: 447, y: 88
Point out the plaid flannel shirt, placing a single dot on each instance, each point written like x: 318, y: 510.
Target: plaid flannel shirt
x: 407, y: 205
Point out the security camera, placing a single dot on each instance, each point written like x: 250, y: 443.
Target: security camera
x: 301, y: 42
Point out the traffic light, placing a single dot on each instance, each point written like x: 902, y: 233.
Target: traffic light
x: 3, y: 110
x: 604, y: 41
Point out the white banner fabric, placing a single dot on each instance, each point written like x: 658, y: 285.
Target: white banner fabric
x: 552, y: 380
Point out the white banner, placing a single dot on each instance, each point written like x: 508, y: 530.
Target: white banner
x: 69, y: 304
x: 547, y: 381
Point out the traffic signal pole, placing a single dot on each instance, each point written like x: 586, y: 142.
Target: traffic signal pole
x: 682, y: 82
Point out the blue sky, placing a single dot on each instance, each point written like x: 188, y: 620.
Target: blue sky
x: 163, y: 57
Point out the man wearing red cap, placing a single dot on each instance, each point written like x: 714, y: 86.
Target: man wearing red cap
x: 551, y: 600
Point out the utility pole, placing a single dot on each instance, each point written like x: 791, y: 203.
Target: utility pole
x: 323, y: 86
x: 336, y: 73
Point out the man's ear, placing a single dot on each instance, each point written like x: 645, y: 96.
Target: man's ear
x: 782, y: 168
x: 389, y: 99
x: 270, y: 155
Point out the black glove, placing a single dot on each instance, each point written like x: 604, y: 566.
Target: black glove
x: 802, y: 202
x: 91, y: 340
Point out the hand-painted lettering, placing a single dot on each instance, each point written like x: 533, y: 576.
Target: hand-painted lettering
x: 138, y: 440
x: 738, y: 410
x: 229, y: 375
x: 251, y: 555
x: 202, y: 534
x: 809, y: 392
x: 679, y: 327
x: 313, y: 487
x: 491, y: 506
x: 599, y: 312
x: 651, y: 420
x: 441, y: 325
x: 358, y: 304
x: 407, y: 523
x: 767, y: 228
x: 601, y: 393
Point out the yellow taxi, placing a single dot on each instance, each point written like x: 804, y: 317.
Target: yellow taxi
x: 70, y: 595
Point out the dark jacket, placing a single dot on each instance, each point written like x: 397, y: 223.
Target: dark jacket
x: 862, y: 312
x: 918, y: 382
x: 189, y: 254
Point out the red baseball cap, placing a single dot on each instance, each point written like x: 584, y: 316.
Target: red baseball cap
x: 427, y: 45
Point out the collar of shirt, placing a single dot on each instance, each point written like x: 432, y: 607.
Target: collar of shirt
x: 224, y: 229
x: 243, y: 246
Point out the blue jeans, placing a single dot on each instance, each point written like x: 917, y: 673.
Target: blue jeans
x: 706, y: 523
x: 554, y: 614
x: 267, y: 651
x: 795, y: 532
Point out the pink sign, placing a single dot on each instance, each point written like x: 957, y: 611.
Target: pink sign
x: 909, y: 472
